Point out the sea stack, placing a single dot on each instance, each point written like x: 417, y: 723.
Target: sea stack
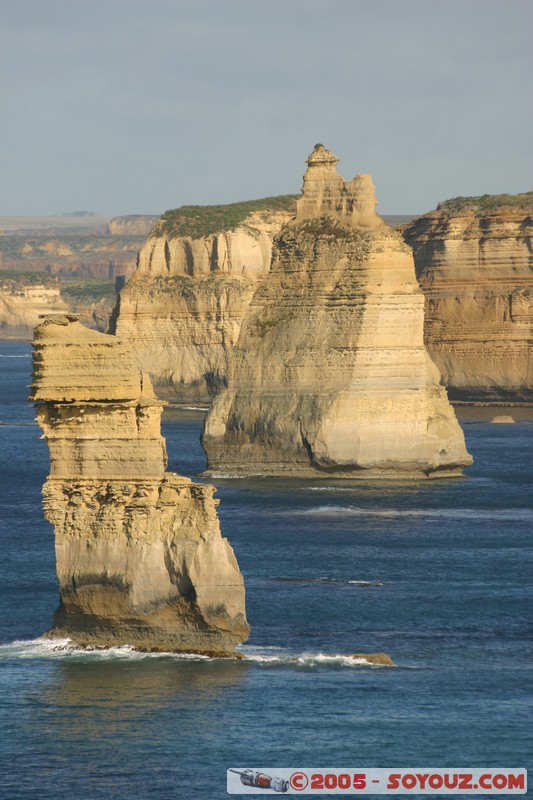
x: 140, y: 557
x: 330, y: 374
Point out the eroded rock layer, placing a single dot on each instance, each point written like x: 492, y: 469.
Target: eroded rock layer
x: 23, y: 303
x: 330, y: 372
x: 474, y: 262
x: 140, y: 558
x: 196, y: 275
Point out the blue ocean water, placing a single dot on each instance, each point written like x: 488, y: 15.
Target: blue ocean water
x: 437, y: 574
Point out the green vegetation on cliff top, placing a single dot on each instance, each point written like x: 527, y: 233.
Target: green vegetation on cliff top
x: 200, y: 221
x: 487, y: 202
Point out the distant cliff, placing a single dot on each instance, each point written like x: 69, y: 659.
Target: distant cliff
x: 23, y: 301
x: 474, y: 262
x: 132, y: 225
x: 103, y: 252
x: 26, y: 296
x: 195, y: 278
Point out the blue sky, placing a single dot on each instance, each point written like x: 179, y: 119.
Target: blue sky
x: 122, y: 106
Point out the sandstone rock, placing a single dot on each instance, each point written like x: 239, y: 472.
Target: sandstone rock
x: 196, y: 275
x: 330, y: 372
x: 474, y: 261
x: 22, y: 304
x: 380, y: 659
x: 132, y: 225
x: 503, y: 419
x: 140, y: 558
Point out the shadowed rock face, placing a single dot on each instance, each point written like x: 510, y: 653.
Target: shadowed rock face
x: 140, y: 558
x: 475, y: 266
x: 330, y: 372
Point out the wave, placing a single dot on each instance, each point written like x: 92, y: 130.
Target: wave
x: 337, y: 581
x: 194, y: 408
x: 25, y: 355
x: 231, y: 475
x: 65, y: 649
x: 504, y: 514
x: 59, y: 649
x: 306, y: 660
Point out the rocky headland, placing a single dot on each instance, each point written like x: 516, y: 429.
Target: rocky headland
x: 195, y: 278
x: 474, y: 262
x: 140, y: 558
x: 330, y: 373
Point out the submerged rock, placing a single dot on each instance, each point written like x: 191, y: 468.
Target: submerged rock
x: 330, y: 372
x: 381, y: 659
x: 140, y: 558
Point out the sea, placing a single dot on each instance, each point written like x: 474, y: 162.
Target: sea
x: 437, y: 574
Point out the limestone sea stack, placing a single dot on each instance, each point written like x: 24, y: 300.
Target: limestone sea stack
x: 474, y: 261
x: 330, y: 374
x: 196, y: 276
x: 140, y: 558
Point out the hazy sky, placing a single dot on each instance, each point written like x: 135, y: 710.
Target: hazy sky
x: 136, y: 106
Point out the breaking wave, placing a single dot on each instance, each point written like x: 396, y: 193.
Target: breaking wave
x: 505, y: 514
x: 269, y: 657
x: 64, y: 649
x: 24, y: 355
x: 58, y: 649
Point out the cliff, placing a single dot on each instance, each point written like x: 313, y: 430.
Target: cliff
x: 474, y: 262
x: 23, y: 302
x: 85, y: 247
x: 25, y: 297
x: 140, y: 559
x: 330, y: 373
x: 132, y: 225
x: 196, y: 275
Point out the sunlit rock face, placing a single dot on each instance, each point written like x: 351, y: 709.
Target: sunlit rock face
x: 22, y: 305
x: 182, y: 309
x: 140, y: 558
x: 330, y: 373
x: 474, y: 261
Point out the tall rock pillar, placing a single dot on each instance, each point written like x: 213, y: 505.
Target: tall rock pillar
x: 140, y: 558
x: 330, y: 374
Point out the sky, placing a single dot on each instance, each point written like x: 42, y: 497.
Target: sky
x: 137, y: 106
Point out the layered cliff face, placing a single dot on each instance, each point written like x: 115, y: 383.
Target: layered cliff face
x: 196, y: 275
x: 23, y: 303
x: 132, y: 225
x: 26, y: 297
x: 140, y: 558
x: 330, y: 373
x: 474, y: 261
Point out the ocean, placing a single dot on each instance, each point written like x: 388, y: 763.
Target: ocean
x: 437, y: 574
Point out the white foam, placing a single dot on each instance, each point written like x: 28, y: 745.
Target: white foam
x: 194, y: 408
x: 505, y: 514
x: 306, y: 660
x: 25, y: 355
x: 64, y: 648
x: 232, y: 476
